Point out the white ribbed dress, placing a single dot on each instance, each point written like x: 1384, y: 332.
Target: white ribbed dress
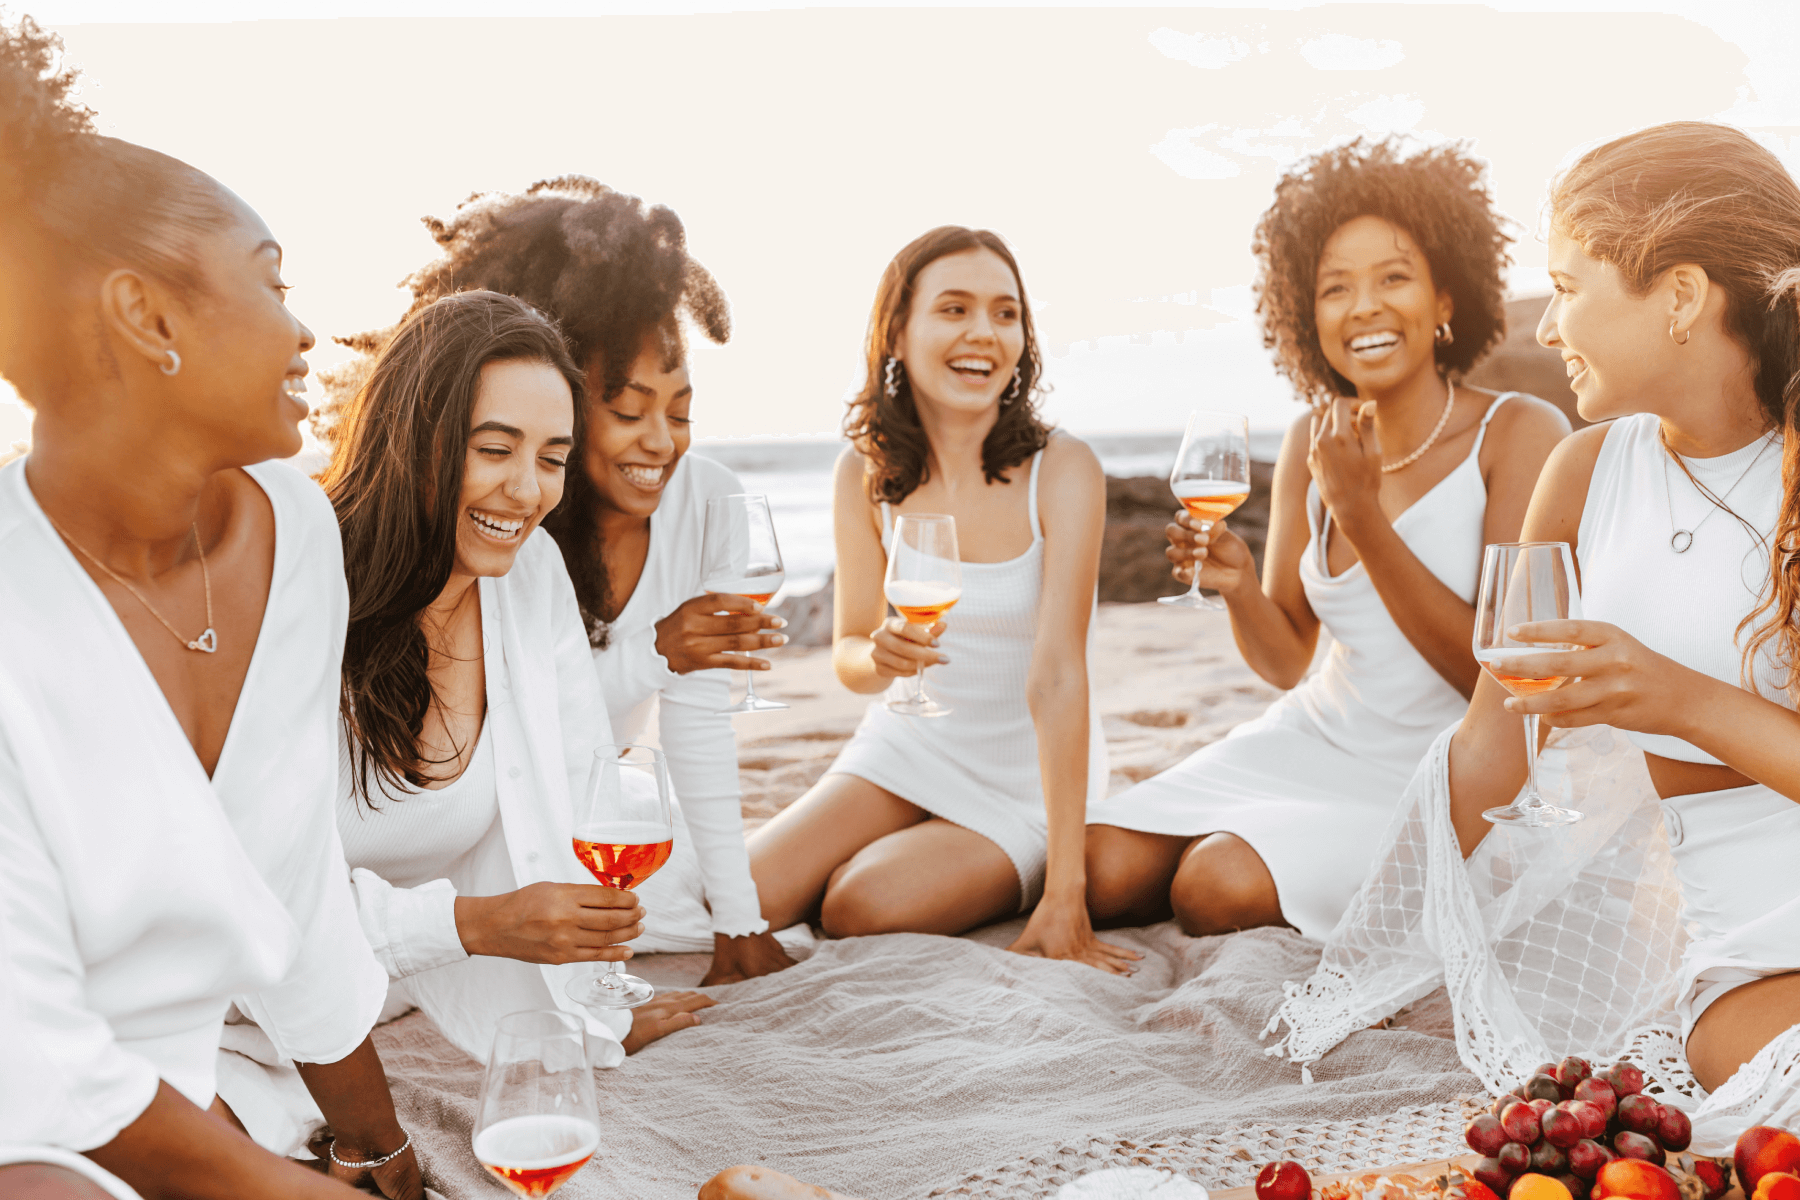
x: 1311, y: 783
x: 978, y: 766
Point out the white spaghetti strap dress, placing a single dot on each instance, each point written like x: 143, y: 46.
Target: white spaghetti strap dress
x: 978, y: 766
x: 1311, y: 783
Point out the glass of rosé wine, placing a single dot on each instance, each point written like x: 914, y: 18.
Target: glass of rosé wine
x: 623, y: 834
x: 924, y: 581
x: 739, y: 556
x: 1211, y: 478
x: 537, y: 1123
x: 1521, y: 582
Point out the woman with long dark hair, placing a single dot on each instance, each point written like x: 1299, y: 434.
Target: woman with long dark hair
x: 166, y: 585
x: 1380, y: 284
x: 615, y: 274
x: 938, y: 826
x: 470, y: 709
x: 1665, y: 925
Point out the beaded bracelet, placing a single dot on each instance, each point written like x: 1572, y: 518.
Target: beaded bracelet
x: 371, y: 1163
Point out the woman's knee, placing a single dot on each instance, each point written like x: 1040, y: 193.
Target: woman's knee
x: 1118, y: 880
x: 855, y: 906
x: 1223, y: 886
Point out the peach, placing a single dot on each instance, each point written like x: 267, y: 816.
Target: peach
x: 1761, y: 1149
x: 1777, y: 1185
x: 1635, y: 1179
x: 1539, y: 1187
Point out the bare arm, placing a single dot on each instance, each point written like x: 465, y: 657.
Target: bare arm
x: 1487, y: 756
x: 869, y: 649
x: 353, y: 1096
x: 1072, y: 506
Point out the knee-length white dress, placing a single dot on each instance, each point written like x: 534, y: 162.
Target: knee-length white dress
x: 1311, y: 783
x: 978, y: 766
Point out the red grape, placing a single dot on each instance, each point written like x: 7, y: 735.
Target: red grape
x: 1486, y: 1135
x: 1636, y: 1145
x: 1543, y: 1087
x: 1626, y: 1079
x: 1640, y: 1114
x: 1489, y: 1173
x: 1586, y: 1157
x: 1578, y: 1187
x: 1522, y: 1124
x: 1548, y: 1159
x: 1593, y: 1121
x: 1563, y: 1129
x: 1674, y: 1131
x: 1514, y: 1158
x: 1600, y: 1094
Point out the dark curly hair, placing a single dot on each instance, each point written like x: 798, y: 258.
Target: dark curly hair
x: 1437, y: 193
x: 885, y: 429
x: 396, y: 480
x: 610, y: 270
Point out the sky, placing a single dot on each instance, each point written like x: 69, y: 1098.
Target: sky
x: 1124, y: 152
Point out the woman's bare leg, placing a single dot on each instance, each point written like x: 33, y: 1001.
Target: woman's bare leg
x: 1738, y: 1024
x: 1221, y: 886
x: 935, y: 877
x: 1129, y: 874
x: 41, y: 1181
x: 794, y: 855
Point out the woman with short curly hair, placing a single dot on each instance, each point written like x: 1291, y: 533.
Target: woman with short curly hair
x: 1379, y: 286
x: 616, y: 276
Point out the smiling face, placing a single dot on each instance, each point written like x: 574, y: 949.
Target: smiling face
x: 964, y: 333
x: 520, y: 435
x: 1614, y: 345
x: 634, y: 440
x: 242, y: 369
x: 1376, y: 307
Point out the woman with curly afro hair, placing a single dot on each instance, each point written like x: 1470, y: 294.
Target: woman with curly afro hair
x: 1379, y: 286
x: 615, y: 274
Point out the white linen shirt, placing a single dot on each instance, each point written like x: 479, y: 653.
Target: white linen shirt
x: 545, y: 717
x: 697, y: 741
x: 138, y: 898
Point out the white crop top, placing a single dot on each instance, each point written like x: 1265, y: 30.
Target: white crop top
x: 1683, y: 605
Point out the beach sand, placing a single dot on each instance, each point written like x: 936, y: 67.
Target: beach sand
x: 1167, y: 681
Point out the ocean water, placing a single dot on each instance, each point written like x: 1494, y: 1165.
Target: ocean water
x: 795, y: 474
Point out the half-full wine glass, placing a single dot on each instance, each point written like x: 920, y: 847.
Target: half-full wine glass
x: 623, y: 834
x: 537, y: 1123
x: 924, y: 581
x: 739, y: 556
x: 1521, y: 582
x: 1211, y: 478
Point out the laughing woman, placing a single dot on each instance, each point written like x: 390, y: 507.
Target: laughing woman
x: 938, y: 826
x: 1380, y: 284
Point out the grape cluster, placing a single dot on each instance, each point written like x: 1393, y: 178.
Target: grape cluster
x: 1568, y: 1122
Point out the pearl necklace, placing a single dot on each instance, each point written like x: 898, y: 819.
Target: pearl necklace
x: 1409, y: 460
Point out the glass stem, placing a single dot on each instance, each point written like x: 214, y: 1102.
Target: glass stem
x: 1532, y: 798
x: 1194, y: 587
x: 750, y: 686
x: 919, y: 685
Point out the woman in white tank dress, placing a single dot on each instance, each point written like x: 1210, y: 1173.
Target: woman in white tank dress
x: 1568, y: 941
x: 1379, y: 547
x: 937, y: 825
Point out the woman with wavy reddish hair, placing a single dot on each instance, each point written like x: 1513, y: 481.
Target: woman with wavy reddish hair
x: 1380, y: 285
x: 937, y: 826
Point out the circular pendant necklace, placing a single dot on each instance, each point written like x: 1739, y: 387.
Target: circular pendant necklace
x: 208, y: 641
x: 1682, y: 540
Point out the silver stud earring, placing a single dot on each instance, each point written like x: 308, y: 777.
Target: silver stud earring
x: 892, y: 387
x: 1017, y: 385
x: 1445, y: 335
x: 173, y: 366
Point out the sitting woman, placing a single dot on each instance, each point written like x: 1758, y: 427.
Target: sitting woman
x: 938, y: 826
x: 1675, y: 316
x: 615, y: 274
x: 1380, y: 284
x: 165, y: 585
x: 469, y: 723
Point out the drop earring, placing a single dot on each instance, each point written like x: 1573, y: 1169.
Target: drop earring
x: 1017, y: 385
x: 892, y: 386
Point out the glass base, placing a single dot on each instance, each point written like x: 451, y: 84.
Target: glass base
x: 611, y: 991
x: 920, y: 706
x: 751, y: 704
x: 1192, y: 600
x: 1532, y: 816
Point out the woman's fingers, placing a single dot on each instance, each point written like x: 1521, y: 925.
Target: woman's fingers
x: 1579, y: 633
x: 1548, y: 664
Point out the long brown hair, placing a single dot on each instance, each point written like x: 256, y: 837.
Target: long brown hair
x: 885, y: 429
x: 395, y: 480
x: 1696, y: 192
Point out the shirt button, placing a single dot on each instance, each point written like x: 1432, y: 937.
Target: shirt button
x: 532, y: 857
x: 512, y: 772
x: 1672, y: 823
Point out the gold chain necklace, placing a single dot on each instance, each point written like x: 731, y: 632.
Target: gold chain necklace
x: 207, y: 642
x: 1409, y: 460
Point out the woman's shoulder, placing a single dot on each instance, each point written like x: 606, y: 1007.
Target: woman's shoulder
x: 1522, y: 415
x: 1067, y: 455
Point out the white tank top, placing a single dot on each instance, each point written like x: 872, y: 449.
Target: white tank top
x: 1685, y: 606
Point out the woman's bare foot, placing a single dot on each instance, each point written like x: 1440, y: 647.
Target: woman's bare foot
x: 760, y: 1183
x: 662, y: 1016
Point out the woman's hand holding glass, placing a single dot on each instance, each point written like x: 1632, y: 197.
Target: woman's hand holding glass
x: 718, y: 630
x: 1221, y: 556
x: 1614, y: 680
x: 902, y: 649
x: 551, y: 923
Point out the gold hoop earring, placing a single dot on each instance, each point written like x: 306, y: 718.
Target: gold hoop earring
x: 1444, y: 334
x: 1680, y: 341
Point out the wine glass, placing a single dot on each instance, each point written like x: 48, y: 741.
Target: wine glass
x: 924, y: 581
x: 1520, y: 582
x: 1211, y: 478
x: 739, y: 556
x: 623, y: 834
x: 537, y: 1124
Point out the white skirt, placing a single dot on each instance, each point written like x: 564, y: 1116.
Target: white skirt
x: 1314, y: 813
